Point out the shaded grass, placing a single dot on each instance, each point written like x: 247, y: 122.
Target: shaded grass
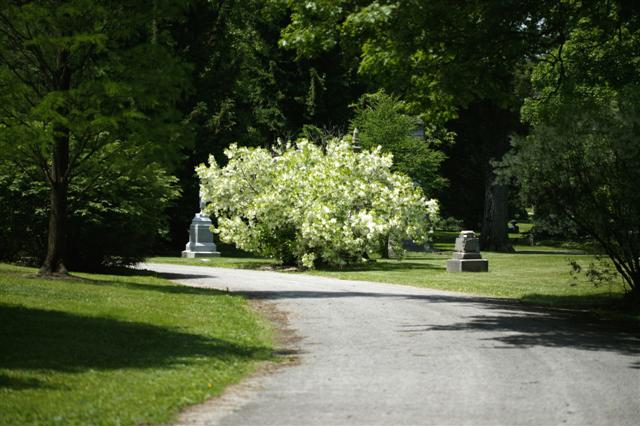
x: 101, y: 349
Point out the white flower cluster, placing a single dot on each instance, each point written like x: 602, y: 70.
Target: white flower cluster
x: 306, y: 205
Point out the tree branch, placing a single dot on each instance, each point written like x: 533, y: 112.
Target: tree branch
x: 23, y: 79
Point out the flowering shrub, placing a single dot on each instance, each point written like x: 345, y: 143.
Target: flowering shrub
x: 307, y: 206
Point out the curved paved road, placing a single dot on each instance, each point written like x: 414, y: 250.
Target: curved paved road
x: 376, y: 354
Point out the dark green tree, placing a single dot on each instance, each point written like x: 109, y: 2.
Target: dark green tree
x: 381, y: 120
x: 581, y: 161
x: 81, y: 84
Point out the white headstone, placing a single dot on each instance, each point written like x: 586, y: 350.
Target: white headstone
x: 200, y: 237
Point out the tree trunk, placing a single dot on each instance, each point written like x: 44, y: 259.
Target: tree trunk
x: 385, y: 253
x: 635, y: 296
x: 57, y: 235
x: 483, y: 131
x: 634, y: 293
x: 494, y: 236
x: 58, y: 183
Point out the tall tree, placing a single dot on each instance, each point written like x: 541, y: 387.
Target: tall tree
x: 447, y: 62
x: 80, y: 79
x: 581, y: 160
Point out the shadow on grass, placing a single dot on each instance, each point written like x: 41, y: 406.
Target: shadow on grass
x: 253, y: 265
x: 34, y: 339
x: 15, y: 383
x: 220, y: 262
x: 385, y: 266
x: 604, y: 301
x: 555, y: 252
x: 167, y: 289
x: 178, y: 276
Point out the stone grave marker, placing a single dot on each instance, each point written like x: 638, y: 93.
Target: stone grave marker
x: 200, y: 237
x: 467, y: 256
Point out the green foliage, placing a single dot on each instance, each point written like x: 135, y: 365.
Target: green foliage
x: 87, y: 107
x: 450, y: 224
x: 313, y: 27
x: 142, y: 347
x: 23, y: 208
x: 235, y: 69
x: 446, y: 61
x: 116, y: 213
x: 121, y: 87
x: 582, y: 158
x: 599, y: 272
x: 122, y: 208
x: 307, y: 205
x: 382, y: 121
x: 438, y: 56
x: 248, y: 90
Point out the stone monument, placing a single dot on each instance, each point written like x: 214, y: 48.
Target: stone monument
x: 200, y: 237
x: 467, y: 256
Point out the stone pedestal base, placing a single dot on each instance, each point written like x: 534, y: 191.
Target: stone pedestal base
x: 200, y: 238
x: 467, y: 265
x: 194, y: 254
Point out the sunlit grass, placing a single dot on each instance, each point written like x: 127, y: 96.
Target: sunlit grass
x: 537, y: 277
x: 220, y: 261
x: 100, y: 349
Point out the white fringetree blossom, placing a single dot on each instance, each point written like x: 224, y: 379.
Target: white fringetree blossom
x: 310, y: 206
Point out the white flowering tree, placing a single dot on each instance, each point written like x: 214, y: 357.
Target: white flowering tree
x: 307, y: 206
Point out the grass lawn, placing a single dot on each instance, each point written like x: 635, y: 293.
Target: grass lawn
x: 100, y: 349
x: 537, y: 275
x: 223, y: 261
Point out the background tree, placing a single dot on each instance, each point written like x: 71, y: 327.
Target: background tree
x: 381, y: 120
x: 250, y: 91
x: 458, y: 67
x: 581, y: 160
x: 81, y: 84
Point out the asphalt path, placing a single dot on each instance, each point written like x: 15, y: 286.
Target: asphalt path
x: 380, y: 354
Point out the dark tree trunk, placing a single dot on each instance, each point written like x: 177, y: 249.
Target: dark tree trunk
x: 494, y: 236
x: 635, y: 294
x: 483, y: 130
x: 58, y: 183
x: 385, y: 252
x: 57, y: 235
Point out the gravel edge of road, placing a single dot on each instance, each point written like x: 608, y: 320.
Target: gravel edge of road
x: 287, y: 354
